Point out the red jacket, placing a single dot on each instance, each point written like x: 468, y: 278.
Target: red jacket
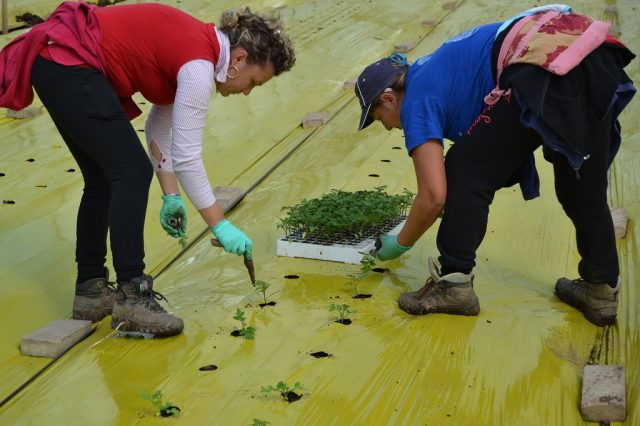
x: 139, y: 48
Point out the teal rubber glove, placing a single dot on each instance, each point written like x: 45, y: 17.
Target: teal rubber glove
x: 173, y: 215
x: 232, y: 239
x: 389, y: 249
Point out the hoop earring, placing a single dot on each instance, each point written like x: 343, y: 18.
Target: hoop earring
x: 235, y: 75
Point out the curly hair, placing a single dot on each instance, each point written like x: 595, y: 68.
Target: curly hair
x: 261, y: 35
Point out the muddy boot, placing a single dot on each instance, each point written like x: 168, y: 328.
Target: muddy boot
x: 598, y: 302
x: 451, y: 294
x: 94, y: 298
x: 138, y: 311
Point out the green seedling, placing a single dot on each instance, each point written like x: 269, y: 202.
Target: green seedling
x: 366, y: 266
x: 261, y: 288
x: 345, y: 213
x: 258, y: 422
x: 248, y: 333
x: 286, y: 392
x: 165, y: 409
x: 343, y: 310
x: 183, y: 242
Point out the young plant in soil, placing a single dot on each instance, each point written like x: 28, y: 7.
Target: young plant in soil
x: 366, y: 266
x: 344, y: 311
x: 261, y: 287
x: 165, y: 409
x: 287, y: 393
x: 350, y: 214
x: 249, y: 333
x: 258, y: 422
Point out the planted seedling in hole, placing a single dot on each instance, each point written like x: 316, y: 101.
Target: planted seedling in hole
x: 249, y: 333
x: 344, y: 311
x: 258, y: 422
x: 165, y: 409
x: 261, y: 288
x: 285, y: 391
x: 366, y: 266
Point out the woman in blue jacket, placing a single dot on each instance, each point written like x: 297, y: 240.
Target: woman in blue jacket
x: 573, y: 116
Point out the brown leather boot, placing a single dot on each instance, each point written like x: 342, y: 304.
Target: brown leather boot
x: 598, y: 302
x: 451, y: 294
x: 94, y: 298
x: 138, y: 311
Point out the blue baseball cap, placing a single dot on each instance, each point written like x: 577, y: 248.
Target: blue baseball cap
x: 374, y: 80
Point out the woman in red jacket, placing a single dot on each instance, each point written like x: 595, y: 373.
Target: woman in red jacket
x: 85, y: 63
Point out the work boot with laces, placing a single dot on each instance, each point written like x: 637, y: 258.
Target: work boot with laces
x: 137, y: 310
x: 450, y: 294
x: 94, y: 298
x: 598, y: 302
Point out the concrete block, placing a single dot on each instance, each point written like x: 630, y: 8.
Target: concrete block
x: 55, y: 338
x: 27, y: 112
x: 404, y: 46
x: 450, y: 6
x: 227, y: 196
x: 603, y: 393
x: 349, y: 84
x: 620, y: 218
x: 315, y: 119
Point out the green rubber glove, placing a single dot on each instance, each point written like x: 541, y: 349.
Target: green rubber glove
x: 390, y: 249
x: 173, y: 215
x: 232, y: 239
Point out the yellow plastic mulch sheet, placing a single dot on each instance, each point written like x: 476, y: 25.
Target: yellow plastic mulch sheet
x: 519, y: 362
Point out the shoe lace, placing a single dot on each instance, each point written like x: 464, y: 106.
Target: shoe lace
x: 431, y: 284
x: 150, y: 298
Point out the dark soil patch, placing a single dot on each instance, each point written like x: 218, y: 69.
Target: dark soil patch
x: 374, y: 175
x: 320, y: 354
x: 362, y: 296
x: 380, y: 270
x: 291, y: 277
x: 385, y: 161
x: 262, y: 305
x: 170, y: 411
x: 291, y: 396
x: 209, y: 367
x: 71, y: 170
x: 8, y: 202
x: 396, y: 147
x: 31, y: 160
x: 236, y: 333
x: 345, y: 321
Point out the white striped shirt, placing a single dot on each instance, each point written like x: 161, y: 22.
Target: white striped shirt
x: 177, y: 129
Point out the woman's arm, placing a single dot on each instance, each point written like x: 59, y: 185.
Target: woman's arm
x: 428, y: 161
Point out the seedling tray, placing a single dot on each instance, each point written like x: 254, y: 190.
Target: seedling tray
x: 339, y: 248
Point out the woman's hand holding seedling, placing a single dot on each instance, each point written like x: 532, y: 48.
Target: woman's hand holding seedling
x: 173, y: 215
x: 388, y: 248
x: 233, y: 240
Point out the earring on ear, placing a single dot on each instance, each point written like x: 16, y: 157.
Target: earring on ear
x: 235, y: 75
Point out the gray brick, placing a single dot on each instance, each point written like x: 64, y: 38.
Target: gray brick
x: 53, y: 339
x: 315, y: 119
x: 226, y: 196
x: 603, y: 393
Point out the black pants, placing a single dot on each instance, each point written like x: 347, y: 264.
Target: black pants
x: 116, y: 170
x: 485, y: 160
